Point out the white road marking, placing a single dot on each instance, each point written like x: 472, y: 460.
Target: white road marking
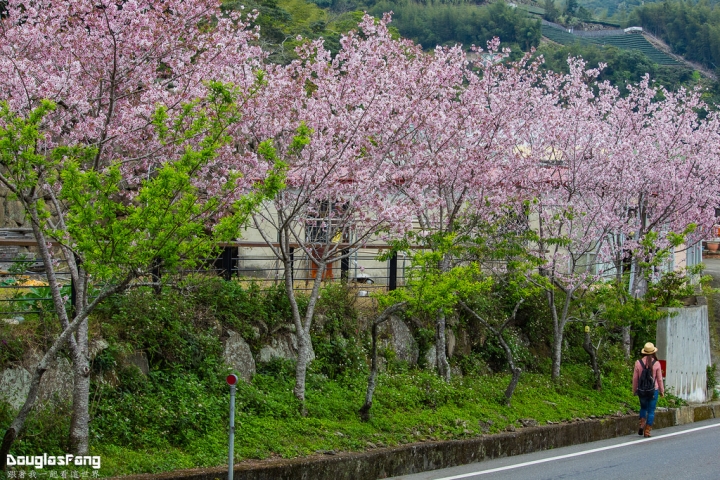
x: 576, y: 454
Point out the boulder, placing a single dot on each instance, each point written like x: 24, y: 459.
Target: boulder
x: 451, y: 342
x: 528, y: 422
x: 15, y: 216
x: 282, y: 345
x: 431, y: 357
x: 57, y: 382
x: 96, y: 346
x: 14, y: 386
x: 237, y: 354
x: 395, y: 334
x: 463, y: 345
x: 139, y: 359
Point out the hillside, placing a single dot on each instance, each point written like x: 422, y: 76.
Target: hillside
x: 624, y: 41
x: 692, y: 30
x: 519, y: 25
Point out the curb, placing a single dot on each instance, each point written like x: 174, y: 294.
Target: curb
x: 695, y: 413
x: 421, y: 457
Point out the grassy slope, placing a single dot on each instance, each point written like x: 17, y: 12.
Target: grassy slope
x: 176, y: 417
x: 409, y: 407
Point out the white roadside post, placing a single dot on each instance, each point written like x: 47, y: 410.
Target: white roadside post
x: 232, y: 380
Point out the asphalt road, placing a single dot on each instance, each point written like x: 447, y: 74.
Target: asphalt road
x: 687, y: 452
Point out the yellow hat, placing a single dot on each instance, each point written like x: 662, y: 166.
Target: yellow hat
x: 649, y: 349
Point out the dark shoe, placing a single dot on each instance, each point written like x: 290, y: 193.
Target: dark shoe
x: 641, y: 430
x: 647, y: 431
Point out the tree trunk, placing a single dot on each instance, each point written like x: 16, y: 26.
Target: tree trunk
x: 516, y: 371
x: 304, y: 357
x: 559, y: 322
x: 557, y: 352
x: 590, y: 349
x: 305, y: 349
x: 443, y: 366
x: 627, y: 342
x: 513, y: 383
x: 372, y: 378
x: 80, y: 419
x: 78, y: 343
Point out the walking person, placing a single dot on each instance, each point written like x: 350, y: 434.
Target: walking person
x: 647, y: 385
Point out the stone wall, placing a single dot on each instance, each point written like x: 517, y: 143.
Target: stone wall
x: 12, y: 214
x: 13, y: 226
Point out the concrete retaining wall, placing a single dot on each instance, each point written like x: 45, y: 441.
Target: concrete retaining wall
x: 683, y: 340
x: 421, y: 457
x: 695, y: 413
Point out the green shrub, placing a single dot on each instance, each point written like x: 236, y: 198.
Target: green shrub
x: 712, y: 380
x: 337, y: 337
x: 338, y: 356
x: 494, y: 354
x: 473, y: 364
x: 176, y: 416
x: 46, y: 429
x: 162, y: 409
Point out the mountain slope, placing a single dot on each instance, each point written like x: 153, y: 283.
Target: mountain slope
x: 624, y: 41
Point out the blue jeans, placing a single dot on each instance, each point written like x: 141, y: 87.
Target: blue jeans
x: 647, y: 408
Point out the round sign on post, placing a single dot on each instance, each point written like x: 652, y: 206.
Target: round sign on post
x: 232, y: 379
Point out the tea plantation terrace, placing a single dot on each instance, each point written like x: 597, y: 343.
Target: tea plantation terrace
x: 627, y: 41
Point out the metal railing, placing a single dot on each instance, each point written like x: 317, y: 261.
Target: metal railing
x: 24, y: 288
x: 362, y: 268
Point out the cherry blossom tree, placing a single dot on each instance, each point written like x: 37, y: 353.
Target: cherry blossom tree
x: 364, y: 114
x: 470, y: 173
x: 618, y: 175
x: 106, y: 66
x: 663, y: 155
x: 574, y: 204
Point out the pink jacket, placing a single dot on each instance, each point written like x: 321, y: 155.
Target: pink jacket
x: 657, y: 375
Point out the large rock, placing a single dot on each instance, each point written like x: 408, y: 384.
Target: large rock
x: 463, y: 344
x: 14, y: 386
x: 431, y: 357
x: 237, y: 354
x: 96, y: 346
x: 140, y: 360
x: 396, y: 335
x: 57, y: 382
x: 282, y: 345
x: 15, y: 216
x: 451, y: 342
